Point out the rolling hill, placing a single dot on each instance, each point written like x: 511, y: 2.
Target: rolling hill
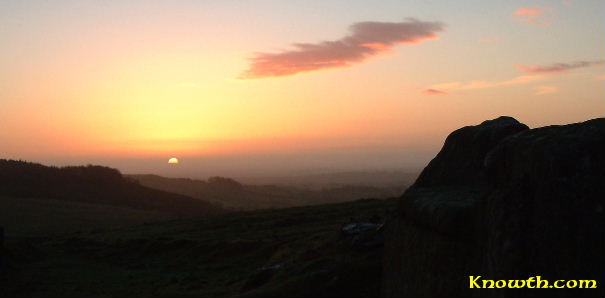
x: 297, y: 251
x: 92, y: 184
x: 234, y: 195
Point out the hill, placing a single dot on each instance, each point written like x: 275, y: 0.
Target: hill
x: 46, y: 217
x: 271, y: 253
x: 235, y: 195
x: 322, y: 179
x: 92, y: 184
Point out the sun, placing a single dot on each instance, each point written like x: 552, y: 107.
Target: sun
x: 173, y: 160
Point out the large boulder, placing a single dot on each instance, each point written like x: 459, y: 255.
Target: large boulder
x: 444, y: 195
x: 504, y: 202
x: 544, y: 214
x: 460, y: 161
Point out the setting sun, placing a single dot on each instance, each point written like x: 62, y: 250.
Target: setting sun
x: 173, y: 160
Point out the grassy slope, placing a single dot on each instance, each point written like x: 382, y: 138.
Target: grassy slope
x: 214, y: 256
x: 43, y: 217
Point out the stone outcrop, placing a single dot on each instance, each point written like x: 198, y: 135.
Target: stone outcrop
x: 505, y: 202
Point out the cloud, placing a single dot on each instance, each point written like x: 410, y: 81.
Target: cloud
x: 480, y: 84
x: 430, y: 91
x: 533, y: 15
x: 558, y: 67
x: 541, y: 90
x: 366, y: 39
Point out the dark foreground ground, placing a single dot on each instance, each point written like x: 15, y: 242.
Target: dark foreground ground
x: 287, y: 252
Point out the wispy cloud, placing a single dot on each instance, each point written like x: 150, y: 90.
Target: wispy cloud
x: 541, y: 90
x: 430, y: 91
x: 367, y: 39
x: 481, y: 84
x: 533, y: 15
x: 558, y: 67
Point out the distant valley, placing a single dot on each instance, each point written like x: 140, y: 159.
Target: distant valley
x: 287, y: 192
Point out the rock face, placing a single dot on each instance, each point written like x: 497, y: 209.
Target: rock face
x: 504, y: 202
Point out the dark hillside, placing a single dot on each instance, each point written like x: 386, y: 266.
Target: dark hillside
x: 92, y: 184
x: 293, y: 252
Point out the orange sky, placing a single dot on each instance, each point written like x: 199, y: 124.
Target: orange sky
x: 128, y: 84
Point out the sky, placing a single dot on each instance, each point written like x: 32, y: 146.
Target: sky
x: 241, y: 88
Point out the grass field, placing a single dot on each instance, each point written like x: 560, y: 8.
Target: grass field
x: 287, y: 252
x: 25, y: 217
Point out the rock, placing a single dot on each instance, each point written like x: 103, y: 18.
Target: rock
x: 446, y: 191
x: 364, y: 234
x: 356, y: 228
x: 460, y: 161
x: 544, y: 214
x: 505, y: 202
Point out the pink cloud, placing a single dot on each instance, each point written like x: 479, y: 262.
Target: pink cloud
x: 481, y: 84
x: 367, y: 39
x: 431, y: 91
x: 533, y: 15
x: 558, y: 67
